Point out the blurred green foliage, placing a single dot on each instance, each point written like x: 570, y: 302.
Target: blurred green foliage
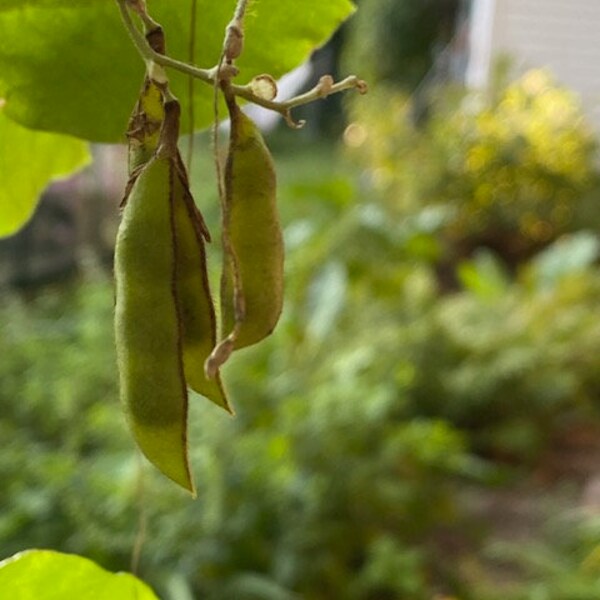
x: 381, y: 413
x: 511, y: 169
x: 395, y: 41
x: 563, y: 565
x: 364, y: 425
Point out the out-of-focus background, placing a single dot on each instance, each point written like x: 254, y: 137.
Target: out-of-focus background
x: 425, y: 421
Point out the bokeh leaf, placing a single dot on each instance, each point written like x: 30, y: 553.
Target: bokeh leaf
x: 484, y: 275
x: 49, y: 575
x: 568, y: 255
x: 70, y: 66
x: 28, y: 160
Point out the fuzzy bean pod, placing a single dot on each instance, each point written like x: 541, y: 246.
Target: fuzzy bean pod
x: 251, y: 227
x: 195, y: 304
x: 147, y: 326
x: 164, y: 319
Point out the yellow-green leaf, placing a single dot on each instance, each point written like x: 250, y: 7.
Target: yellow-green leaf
x: 70, y: 66
x: 28, y: 161
x: 49, y: 575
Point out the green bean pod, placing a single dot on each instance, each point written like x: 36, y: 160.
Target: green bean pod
x: 164, y: 319
x: 195, y: 304
x: 254, y: 260
x: 147, y: 324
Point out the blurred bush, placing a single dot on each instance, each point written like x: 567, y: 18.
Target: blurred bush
x: 66, y: 459
x: 511, y: 169
x: 563, y: 565
x: 395, y: 42
x: 360, y: 423
x: 304, y: 494
x: 378, y: 409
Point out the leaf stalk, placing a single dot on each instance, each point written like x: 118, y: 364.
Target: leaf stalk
x: 326, y: 86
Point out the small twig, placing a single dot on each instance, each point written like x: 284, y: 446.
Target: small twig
x: 232, y: 47
x: 324, y: 88
x: 136, y: 36
x: 191, y: 115
x: 140, y: 536
x: 215, y: 137
x: 148, y: 54
x: 139, y: 6
x: 234, y: 33
x: 240, y: 10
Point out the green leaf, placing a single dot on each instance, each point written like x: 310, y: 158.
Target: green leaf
x: 49, y: 575
x: 569, y: 255
x: 484, y: 275
x: 70, y: 67
x: 326, y: 298
x: 28, y: 160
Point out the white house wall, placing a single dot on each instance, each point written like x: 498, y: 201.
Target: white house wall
x: 562, y: 35
x: 481, y: 42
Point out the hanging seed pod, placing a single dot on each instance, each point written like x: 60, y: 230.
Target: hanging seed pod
x: 147, y: 326
x: 252, y: 278
x: 195, y: 305
x: 164, y: 318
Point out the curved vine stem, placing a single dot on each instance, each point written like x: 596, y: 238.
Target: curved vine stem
x: 191, y: 114
x: 215, y: 136
x: 240, y: 10
x: 324, y: 88
x: 148, y: 54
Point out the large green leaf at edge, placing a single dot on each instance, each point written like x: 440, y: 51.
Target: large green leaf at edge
x: 49, y: 575
x: 28, y: 159
x: 69, y: 66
